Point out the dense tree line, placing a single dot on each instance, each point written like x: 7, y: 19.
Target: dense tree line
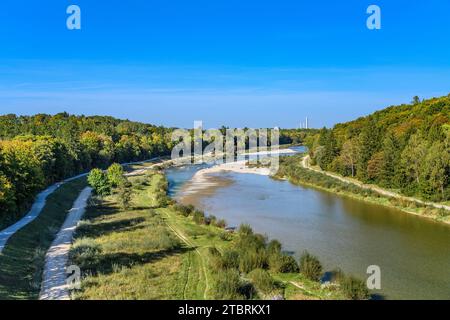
x: 36, y: 151
x: 404, y: 147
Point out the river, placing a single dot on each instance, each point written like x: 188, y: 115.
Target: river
x: 412, y: 252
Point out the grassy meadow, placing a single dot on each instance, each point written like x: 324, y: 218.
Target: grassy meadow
x: 154, y: 250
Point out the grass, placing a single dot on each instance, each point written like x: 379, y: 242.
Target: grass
x: 122, y: 254
x: 139, y: 257
x: 22, y: 260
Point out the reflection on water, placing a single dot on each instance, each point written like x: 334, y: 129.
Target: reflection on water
x: 413, y: 253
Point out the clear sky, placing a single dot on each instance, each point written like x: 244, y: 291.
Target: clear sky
x: 248, y: 63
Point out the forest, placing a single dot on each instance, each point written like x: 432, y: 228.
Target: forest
x: 404, y: 148
x: 37, y: 151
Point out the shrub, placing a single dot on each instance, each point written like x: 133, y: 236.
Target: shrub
x: 183, y: 210
x: 85, y: 253
x: 98, y: 180
x: 166, y: 241
x: 199, y: 217
x: 161, y: 199
x: 228, y: 286
x: 250, y: 260
x: 310, y: 266
x: 212, y: 220
x: 230, y: 259
x: 225, y: 236
x: 274, y: 247
x: 124, y: 193
x: 281, y: 263
x: 262, y: 280
x: 354, y: 288
x: 221, y: 224
x: 245, y: 230
x: 115, y: 175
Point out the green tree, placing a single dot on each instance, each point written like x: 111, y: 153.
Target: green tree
x: 115, y: 175
x: 350, y: 155
x: 98, y: 180
x: 368, y: 145
x: 124, y: 194
x: 413, y: 157
x: 7, y: 203
x: 436, y: 169
x: 391, y: 156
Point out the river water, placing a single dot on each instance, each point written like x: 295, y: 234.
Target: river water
x: 412, y: 252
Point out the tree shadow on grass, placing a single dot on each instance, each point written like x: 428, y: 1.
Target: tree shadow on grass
x: 106, y: 264
x: 105, y: 228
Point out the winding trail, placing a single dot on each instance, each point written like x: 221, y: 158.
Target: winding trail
x: 54, y: 285
x: 41, y: 200
x: 35, y: 211
x: 54, y: 280
x: 305, y: 164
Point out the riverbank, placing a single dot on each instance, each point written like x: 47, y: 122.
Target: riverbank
x: 156, y: 251
x: 297, y: 171
x: 202, y: 179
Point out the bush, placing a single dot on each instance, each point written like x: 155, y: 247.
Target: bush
x: 85, y: 253
x: 124, y: 194
x: 221, y: 224
x: 115, y: 175
x: 98, y: 180
x: 250, y: 260
x: 225, y: 236
x: 245, y: 230
x: 228, y: 286
x: 310, y: 266
x: 274, y: 247
x: 262, y: 280
x: 230, y: 259
x: 185, y: 211
x: 354, y: 288
x: 198, y: 217
x: 166, y: 241
x: 281, y: 263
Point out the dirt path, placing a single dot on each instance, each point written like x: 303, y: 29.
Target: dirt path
x: 54, y: 278
x: 183, y: 238
x: 35, y: 211
x: 41, y: 200
x: 306, y: 165
x: 54, y: 285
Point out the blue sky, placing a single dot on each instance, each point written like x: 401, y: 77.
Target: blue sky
x: 238, y: 63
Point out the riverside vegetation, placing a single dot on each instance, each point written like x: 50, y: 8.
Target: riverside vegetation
x: 403, y: 148
x: 159, y: 249
x: 37, y: 151
x: 291, y: 169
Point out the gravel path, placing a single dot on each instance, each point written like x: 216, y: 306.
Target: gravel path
x: 34, y: 212
x: 39, y: 204
x: 54, y: 278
